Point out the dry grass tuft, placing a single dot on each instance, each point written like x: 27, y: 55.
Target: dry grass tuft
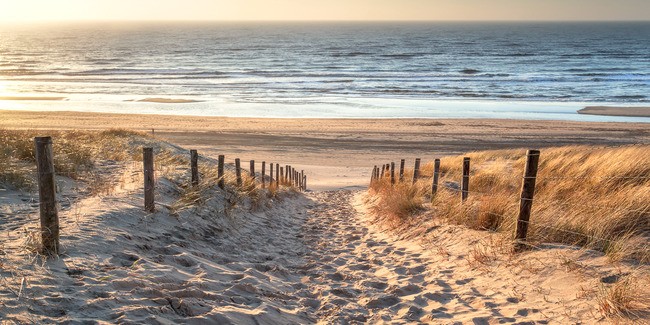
x: 397, y: 202
x: 628, y: 298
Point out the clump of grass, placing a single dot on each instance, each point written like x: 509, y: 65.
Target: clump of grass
x: 627, y: 298
x: 588, y: 196
x: 397, y: 202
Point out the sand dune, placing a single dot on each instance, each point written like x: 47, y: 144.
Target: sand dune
x: 319, y: 258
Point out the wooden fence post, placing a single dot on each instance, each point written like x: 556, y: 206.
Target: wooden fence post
x: 281, y: 176
x: 149, y: 180
x: 277, y: 174
x: 271, y: 174
x: 526, y: 202
x: 220, y: 164
x: 373, y: 177
x: 383, y: 171
x: 387, y: 170
x: 436, y: 178
x: 263, y: 174
x: 252, y: 169
x: 401, y: 170
x: 47, y: 196
x: 465, y: 183
x: 238, y: 171
x: 416, y: 170
x: 392, y: 173
x: 304, y: 182
x: 194, y: 162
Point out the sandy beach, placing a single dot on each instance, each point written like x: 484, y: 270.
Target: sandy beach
x: 316, y: 257
x: 339, y: 153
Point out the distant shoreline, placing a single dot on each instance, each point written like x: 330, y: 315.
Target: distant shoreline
x: 616, y: 111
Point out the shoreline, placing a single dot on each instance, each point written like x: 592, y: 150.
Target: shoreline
x: 339, y: 153
x: 329, y: 107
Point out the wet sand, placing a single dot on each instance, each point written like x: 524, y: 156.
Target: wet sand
x: 616, y: 111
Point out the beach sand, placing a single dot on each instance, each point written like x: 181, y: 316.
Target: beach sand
x: 616, y: 111
x: 339, y: 153
x: 316, y: 257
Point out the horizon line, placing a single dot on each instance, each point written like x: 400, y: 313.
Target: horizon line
x: 323, y: 21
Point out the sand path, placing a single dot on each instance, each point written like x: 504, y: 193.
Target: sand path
x: 356, y: 273
x: 317, y: 258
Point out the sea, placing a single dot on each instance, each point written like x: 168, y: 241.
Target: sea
x: 329, y: 69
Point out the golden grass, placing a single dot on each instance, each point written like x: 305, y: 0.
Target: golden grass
x: 77, y: 152
x: 587, y: 196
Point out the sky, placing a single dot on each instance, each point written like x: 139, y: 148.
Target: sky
x: 220, y: 10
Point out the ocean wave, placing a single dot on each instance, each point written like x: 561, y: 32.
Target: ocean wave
x: 143, y: 72
x: 21, y: 72
x: 470, y: 71
x: 350, y: 54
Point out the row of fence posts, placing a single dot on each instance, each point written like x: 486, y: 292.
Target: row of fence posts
x: 291, y: 178
x: 527, y: 187
x: 49, y: 217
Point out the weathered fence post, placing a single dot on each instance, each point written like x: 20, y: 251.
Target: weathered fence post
x: 238, y: 171
x: 416, y: 170
x: 436, y: 178
x: 372, y: 177
x: 304, y: 182
x: 527, y: 194
x: 263, y: 174
x: 291, y: 173
x: 281, y: 175
x: 392, y: 173
x: 465, y: 183
x: 220, y: 164
x: 277, y: 174
x: 383, y: 171
x: 401, y: 170
x: 147, y: 160
x: 252, y: 169
x: 387, y: 170
x: 47, y: 196
x: 194, y: 162
x: 271, y: 174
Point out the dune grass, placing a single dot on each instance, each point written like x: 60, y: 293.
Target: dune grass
x: 77, y: 153
x: 587, y: 196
